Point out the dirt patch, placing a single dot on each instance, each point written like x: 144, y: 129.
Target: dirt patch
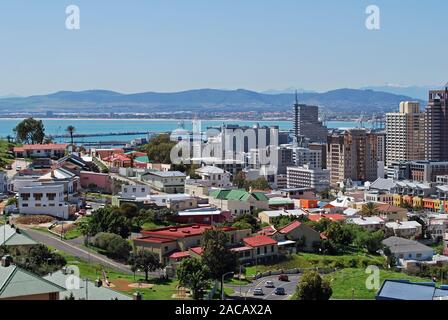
x: 32, y: 220
x: 66, y: 227
x: 120, y: 285
x: 141, y: 286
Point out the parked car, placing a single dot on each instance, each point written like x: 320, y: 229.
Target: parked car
x: 8, y: 167
x: 258, y: 292
x: 283, y: 277
x: 280, y: 291
x: 270, y: 284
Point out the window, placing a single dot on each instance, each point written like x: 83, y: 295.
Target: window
x: 258, y: 251
x: 25, y: 196
x: 25, y: 205
x: 51, y: 196
x: 38, y: 196
x: 38, y: 205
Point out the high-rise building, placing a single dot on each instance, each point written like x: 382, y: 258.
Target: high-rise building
x: 352, y: 154
x: 436, y: 126
x: 404, y: 134
x: 307, y: 124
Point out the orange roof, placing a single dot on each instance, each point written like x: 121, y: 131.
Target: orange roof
x: 197, y: 250
x: 182, y: 232
x: 389, y: 208
x: 119, y: 157
x: 154, y: 240
x: 259, y: 241
x: 180, y: 255
x: 333, y: 217
x: 288, y: 228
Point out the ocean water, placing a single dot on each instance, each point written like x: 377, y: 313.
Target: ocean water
x: 83, y: 126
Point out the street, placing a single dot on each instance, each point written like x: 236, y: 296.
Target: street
x: 247, y: 291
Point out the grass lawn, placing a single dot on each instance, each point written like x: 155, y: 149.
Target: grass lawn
x: 309, y: 260
x: 344, y: 281
x: 162, y: 289
x: 154, y: 225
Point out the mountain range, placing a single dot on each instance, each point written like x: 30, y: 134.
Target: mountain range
x: 203, y: 100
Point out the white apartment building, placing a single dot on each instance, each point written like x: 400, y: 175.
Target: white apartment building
x: 45, y: 200
x: 305, y: 156
x: 214, y: 176
x: 305, y: 176
x: 404, y: 132
x: 168, y: 182
x: 135, y: 191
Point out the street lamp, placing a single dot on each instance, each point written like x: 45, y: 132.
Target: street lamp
x: 223, y: 296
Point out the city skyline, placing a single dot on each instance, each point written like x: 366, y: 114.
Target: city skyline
x: 169, y: 47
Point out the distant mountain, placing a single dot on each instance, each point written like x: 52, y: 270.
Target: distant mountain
x: 288, y: 90
x: 202, y: 100
x: 417, y: 92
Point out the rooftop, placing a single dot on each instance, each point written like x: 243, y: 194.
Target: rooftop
x: 10, y: 236
x: 173, y: 233
x: 401, y: 245
x: 30, y: 147
x: 259, y: 241
x: 407, y: 290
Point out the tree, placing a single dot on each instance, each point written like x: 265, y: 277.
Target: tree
x: 38, y: 259
x: 312, y: 287
x: 145, y: 261
x: 193, y: 274
x: 118, y: 248
x: 247, y: 221
x: 217, y: 256
x: 239, y: 180
x: 109, y: 219
x: 325, y: 194
x: 258, y: 184
x: 71, y: 130
x: 371, y: 241
x: 370, y: 209
x: 159, y: 149
x: 30, y: 131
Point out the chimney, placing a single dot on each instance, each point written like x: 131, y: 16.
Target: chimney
x: 6, y: 261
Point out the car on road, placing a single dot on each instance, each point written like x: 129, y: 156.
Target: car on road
x: 283, y: 277
x: 280, y: 291
x: 18, y: 168
x: 270, y: 284
x: 8, y: 167
x: 258, y: 292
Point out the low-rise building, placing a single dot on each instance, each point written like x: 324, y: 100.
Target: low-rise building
x: 269, y: 216
x: 96, y: 181
x: 53, y: 151
x: 392, y: 213
x: 204, y: 215
x: 296, y: 235
x: 214, y: 176
x: 166, y: 181
x: 264, y: 249
x: 44, y: 199
x: 11, y: 236
x: 369, y: 223
x: 411, y: 291
x: 165, y: 242
x: 404, y: 229
x: 19, y: 284
x: 238, y: 202
x: 405, y: 249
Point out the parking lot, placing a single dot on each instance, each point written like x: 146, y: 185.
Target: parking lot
x: 247, y: 291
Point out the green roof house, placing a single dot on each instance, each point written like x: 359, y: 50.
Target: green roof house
x: 19, y: 284
x: 238, y: 201
x: 10, y: 236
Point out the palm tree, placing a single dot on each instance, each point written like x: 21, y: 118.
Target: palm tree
x: 71, y: 130
x: 369, y: 209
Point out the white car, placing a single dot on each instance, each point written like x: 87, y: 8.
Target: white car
x: 258, y: 292
x: 270, y: 284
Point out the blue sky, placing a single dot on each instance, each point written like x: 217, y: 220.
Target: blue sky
x: 171, y: 45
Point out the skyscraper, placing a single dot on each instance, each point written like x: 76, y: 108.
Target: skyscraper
x: 307, y: 124
x: 352, y: 154
x: 404, y: 134
x: 436, y: 126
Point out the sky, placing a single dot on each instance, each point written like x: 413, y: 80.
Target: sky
x: 173, y: 45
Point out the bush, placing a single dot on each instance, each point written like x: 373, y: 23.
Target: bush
x: 114, y: 246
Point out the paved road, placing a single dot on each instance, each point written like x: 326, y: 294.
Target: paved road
x: 17, y: 163
x: 74, y: 248
x: 269, y: 293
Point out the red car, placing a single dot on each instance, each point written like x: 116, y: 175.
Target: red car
x: 283, y: 277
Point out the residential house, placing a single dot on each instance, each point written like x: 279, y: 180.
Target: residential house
x: 100, y: 182
x: 165, y: 242
x: 53, y: 151
x: 238, y: 202
x: 44, y: 199
x: 12, y: 236
x: 298, y: 193
x: 264, y: 249
x: 269, y: 215
x: 297, y: 235
x: 214, y: 176
x: 405, y: 249
x: 85, y: 290
x: 135, y: 191
x: 392, y: 213
x: 19, y: 284
x: 370, y: 224
x: 203, y: 215
x: 404, y: 229
x: 281, y: 203
x: 196, y: 188
x: 166, y: 181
